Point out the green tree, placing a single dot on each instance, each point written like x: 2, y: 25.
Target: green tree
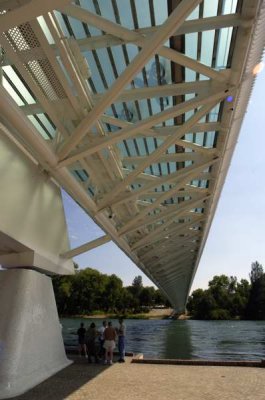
x: 201, y: 304
x: 147, y: 296
x: 256, y: 272
x: 255, y: 309
x: 137, y: 285
x: 112, y: 293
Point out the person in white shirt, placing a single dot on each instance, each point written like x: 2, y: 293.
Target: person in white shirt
x: 101, y: 338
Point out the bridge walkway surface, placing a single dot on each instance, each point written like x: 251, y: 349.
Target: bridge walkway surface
x: 148, y: 381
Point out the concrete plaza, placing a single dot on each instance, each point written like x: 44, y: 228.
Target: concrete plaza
x: 148, y: 381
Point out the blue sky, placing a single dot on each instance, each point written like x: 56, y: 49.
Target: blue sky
x: 237, y: 234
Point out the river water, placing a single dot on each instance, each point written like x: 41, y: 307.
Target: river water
x: 190, y: 339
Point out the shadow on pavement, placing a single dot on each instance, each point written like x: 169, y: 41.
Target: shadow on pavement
x: 65, y: 382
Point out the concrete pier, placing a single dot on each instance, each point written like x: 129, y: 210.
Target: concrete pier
x: 132, y: 381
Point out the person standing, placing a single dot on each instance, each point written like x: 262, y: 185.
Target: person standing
x: 101, y: 338
x: 91, y: 335
x: 109, y: 343
x: 81, y: 340
x: 121, y: 340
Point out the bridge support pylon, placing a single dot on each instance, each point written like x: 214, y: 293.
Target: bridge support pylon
x: 31, y: 344
x: 33, y: 235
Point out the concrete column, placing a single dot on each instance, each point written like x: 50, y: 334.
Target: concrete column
x: 31, y: 344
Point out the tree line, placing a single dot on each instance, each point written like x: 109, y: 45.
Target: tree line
x: 88, y: 291
x: 226, y: 298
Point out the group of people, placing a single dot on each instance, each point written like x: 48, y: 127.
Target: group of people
x: 100, y: 343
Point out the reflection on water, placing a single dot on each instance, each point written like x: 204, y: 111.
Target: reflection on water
x: 178, y: 340
x: 215, y: 340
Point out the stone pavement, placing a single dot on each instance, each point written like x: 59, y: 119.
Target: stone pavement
x: 145, y: 381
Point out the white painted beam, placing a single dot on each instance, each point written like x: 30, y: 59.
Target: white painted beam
x: 131, y: 130
x: 191, y: 26
x: 191, y: 172
x: 171, y: 89
x: 140, y: 40
x: 153, y: 235
x: 166, y: 216
x: 87, y: 246
x: 154, y: 157
x: 149, y: 48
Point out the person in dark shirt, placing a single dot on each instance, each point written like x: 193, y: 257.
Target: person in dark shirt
x: 91, y: 335
x: 82, y: 340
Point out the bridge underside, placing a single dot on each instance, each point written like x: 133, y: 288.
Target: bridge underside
x: 134, y: 109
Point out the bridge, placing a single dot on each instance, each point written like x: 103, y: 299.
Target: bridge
x: 133, y: 108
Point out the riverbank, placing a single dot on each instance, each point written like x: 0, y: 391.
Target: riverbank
x: 154, y: 313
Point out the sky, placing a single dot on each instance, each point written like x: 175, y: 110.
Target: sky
x: 237, y: 234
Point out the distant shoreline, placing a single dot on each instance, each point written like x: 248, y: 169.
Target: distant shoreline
x: 155, y: 313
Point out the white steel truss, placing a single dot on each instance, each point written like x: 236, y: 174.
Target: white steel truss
x: 144, y: 151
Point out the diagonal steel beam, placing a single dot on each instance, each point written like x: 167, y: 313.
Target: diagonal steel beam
x: 191, y: 26
x: 149, y: 238
x: 175, y: 211
x: 86, y: 247
x: 131, y: 130
x: 185, y: 173
x: 170, y: 249
x: 161, y: 131
x: 153, y: 251
x: 171, y: 89
x: 136, y: 221
x: 140, y: 40
x: 148, y: 50
x: 171, y: 257
x: 159, y: 151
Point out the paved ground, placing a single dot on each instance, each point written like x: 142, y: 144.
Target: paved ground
x: 157, y: 382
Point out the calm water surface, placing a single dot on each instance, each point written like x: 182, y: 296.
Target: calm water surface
x: 214, y: 340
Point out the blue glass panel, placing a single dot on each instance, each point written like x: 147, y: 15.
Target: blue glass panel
x: 223, y: 47
x: 12, y: 93
x: 141, y: 146
x: 210, y: 139
x: 105, y: 61
x: 143, y: 13
x: 61, y: 23
x: 88, y: 5
x: 131, y: 147
x: 119, y: 59
x: 37, y: 125
x: 124, y: 7
x: 12, y: 75
x: 47, y: 124
x: 150, y: 144
x: 171, y: 149
x: 191, y: 45
x: 229, y: 6
x: 45, y: 29
x: 172, y: 167
x: 194, y: 14
x: 210, y: 8
x: 144, y: 108
x: 155, y: 170
x: 190, y: 75
x: 106, y: 10
x: 77, y: 28
x: 161, y: 13
x: 207, y: 47
x: 96, y: 78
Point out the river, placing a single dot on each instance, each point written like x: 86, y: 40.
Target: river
x: 189, y: 339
